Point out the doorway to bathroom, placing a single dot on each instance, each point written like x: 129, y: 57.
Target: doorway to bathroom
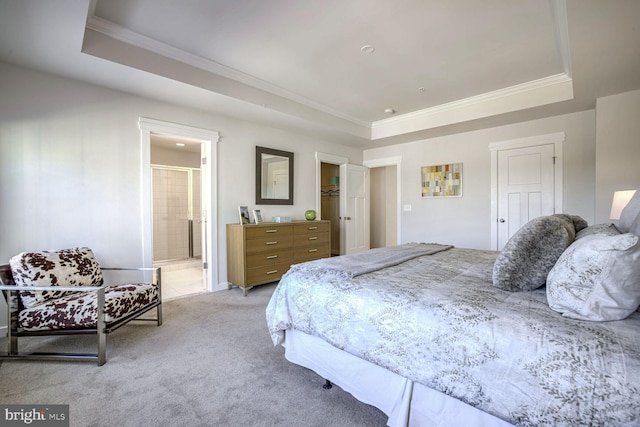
x: 177, y: 219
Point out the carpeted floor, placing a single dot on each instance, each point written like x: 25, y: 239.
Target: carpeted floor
x: 211, y: 363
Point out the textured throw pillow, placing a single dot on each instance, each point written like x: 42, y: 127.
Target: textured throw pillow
x: 599, y: 229
x: 66, y: 267
x: 597, y: 278
x: 529, y: 255
x: 630, y: 213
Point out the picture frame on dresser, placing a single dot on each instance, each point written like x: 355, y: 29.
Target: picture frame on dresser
x: 257, y: 216
x: 243, y: 212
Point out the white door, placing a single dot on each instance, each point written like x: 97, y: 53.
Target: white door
x: 525, y: 187
x: 202, y: 219
x: 354, y: 216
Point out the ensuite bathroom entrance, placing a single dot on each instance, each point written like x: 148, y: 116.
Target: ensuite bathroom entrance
x: 177, y: 224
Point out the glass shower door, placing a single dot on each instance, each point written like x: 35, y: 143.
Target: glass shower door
x: 171, y: 214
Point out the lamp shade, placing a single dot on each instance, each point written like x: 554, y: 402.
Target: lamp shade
x: 620, y: 200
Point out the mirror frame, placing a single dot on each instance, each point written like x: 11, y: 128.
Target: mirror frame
x: 259, y: 199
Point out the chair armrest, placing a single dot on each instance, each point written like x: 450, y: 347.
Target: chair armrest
x: 156, y: 270
x: 51, y: 288
x: 132, y: 268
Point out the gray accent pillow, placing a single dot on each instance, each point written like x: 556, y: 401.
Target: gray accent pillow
x: 529, y: 255
x: 630, y: 213
x: 597, y: 278
x: 599, y: 229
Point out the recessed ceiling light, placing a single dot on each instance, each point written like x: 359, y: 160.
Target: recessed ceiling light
x: 180, y: 144
x: 367, y: 48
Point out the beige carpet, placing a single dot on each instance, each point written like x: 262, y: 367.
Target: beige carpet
x: 211, y: 363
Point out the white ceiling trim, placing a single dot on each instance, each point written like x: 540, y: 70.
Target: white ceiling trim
x: 531, y: 94
x: 127, y: 36
x: 559, y: 9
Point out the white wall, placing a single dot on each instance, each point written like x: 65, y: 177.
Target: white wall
x: 465, y: 221
x: 70, y: 166
x: 617, y: 148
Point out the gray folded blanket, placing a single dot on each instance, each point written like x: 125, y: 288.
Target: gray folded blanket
x: 372, y: 260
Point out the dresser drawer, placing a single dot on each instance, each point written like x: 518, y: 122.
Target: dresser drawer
x: 269, y: 243
x: 310, y: 253
x: 269, y: 257
x: 311, y: 227
x: 268, y: 231
x: 266, y: 274
x: 300, y: 240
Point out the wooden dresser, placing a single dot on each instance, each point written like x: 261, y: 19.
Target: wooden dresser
x: 262, y: 253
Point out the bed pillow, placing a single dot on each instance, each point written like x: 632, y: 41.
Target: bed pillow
x: 598, y: 229
x: 529, y: 255
x: 630, y: 214
x: 597, y: 278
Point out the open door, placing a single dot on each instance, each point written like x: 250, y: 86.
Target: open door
x: 202, y: 220
x: 354, y: 210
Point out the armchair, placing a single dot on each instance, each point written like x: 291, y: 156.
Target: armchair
x: 63, y: 293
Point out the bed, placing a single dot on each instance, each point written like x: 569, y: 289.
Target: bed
x: 443, y: 336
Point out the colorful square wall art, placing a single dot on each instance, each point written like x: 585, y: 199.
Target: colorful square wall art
x: 442, y: 180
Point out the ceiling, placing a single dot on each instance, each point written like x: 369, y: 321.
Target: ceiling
x: 331, y: 68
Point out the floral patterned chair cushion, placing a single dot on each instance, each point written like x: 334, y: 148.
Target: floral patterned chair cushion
x: 66, y: 267
x: 78, y: 310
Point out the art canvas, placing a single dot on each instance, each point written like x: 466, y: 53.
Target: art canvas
x: 442, y: 180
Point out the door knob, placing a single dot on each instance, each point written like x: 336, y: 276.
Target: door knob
x: 501, y: 220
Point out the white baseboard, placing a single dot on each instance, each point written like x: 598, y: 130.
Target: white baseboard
x: 220, y: 287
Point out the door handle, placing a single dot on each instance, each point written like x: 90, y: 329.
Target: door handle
x: 501, y: 220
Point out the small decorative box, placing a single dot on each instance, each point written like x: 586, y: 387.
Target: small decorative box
x: 281, y: 219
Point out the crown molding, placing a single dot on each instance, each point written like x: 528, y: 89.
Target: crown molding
x: 531, y: 94
x: 543, y: 91
x: 559, y: 11
x: 122, y: 34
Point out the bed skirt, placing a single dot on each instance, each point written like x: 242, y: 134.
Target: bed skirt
x: 405, y: 403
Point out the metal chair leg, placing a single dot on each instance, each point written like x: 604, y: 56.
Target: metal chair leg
x: 102, y: 337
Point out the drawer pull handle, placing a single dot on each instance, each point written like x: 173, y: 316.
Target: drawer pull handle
x: 270, y: 231
x: 313, y: 238
x: 272, y: 256
x: 312, y: 228
x: 271, y: 243
x: 313, y: 250
x: 272, y: 272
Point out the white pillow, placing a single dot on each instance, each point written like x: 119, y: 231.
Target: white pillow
x: 597, y: 278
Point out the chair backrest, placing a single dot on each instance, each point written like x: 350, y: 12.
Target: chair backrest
x: 63, y: 267
x: 6, y: 279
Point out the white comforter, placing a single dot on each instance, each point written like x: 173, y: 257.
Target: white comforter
x: 437, y: 320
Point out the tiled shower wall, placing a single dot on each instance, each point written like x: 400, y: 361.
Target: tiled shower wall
x: 172, y: 209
